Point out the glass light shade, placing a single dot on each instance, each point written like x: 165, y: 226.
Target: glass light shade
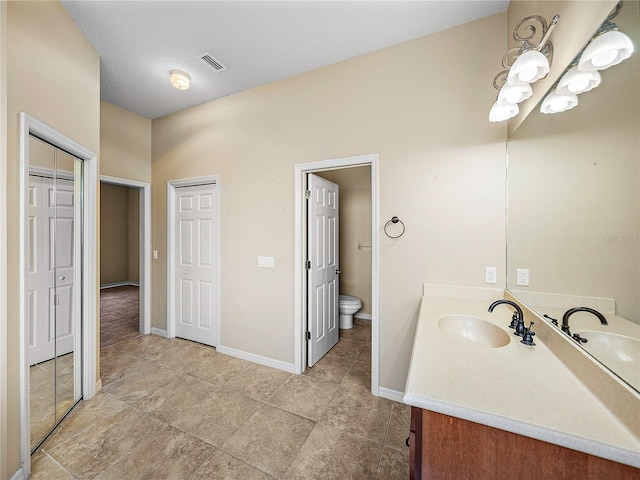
x: 605, y: 51
x: 529, y: 67
x: 501, y: 112
x: 180, y: 80
x: 556, y: 102
x: 575, y: 81
x: 514, y: 93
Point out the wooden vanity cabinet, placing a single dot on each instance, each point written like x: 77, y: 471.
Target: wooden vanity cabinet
x: 449, y: 448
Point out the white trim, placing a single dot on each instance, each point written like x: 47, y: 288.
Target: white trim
x: 299, y: 346
x: 171, y: 202
x: 144, y: 239
x: 259, y: 359
x: 158, y: 331
x: 50, y: 173
x: 126, y: 283
x: 18, y: 475
x: 363, y: 316
x: 389, y: 394
x: 89, y: 283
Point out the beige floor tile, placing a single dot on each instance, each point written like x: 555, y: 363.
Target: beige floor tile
x: 304, y: 396
x: 39, y: 376
x: 222, y: 466
x: 330, y: 454
x: 141, y: 384
x: 184, y: 356
x: 221, y: 369
x: 85, y: 415
x: 361, y: 332
x: 91, y: 452
x: 359, y: 376
x: 269, y: 440
x: 399, y: 426
x: 217, y: 417
x: 394, y: 465
x: 173, y: 401
x: 43, y: 467
x: 119, y: 365
x: 330, y: 368
x: 365, y: 354
x: 356, y: 411
x: 347, y: 349
x: 258, y: 382
x: 147, y: 347
x: 170, y: 455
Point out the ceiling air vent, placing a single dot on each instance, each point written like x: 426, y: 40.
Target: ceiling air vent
x: 216, y: 65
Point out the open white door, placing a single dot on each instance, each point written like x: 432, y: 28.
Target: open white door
x: 196, y: 265
x: 322, y: 267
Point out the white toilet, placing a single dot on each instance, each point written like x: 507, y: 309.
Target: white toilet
x: 347, y: 306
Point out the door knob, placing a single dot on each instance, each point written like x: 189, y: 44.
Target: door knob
x: 338, y: 272
x: 61, y: 277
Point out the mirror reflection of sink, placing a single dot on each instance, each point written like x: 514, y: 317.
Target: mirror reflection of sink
x: 619, y: 353
x: 473, y: 331
x: 611, y: 346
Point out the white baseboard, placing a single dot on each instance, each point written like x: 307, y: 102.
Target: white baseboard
x: 132, y: 283
x: 259, y: 359
x: 19, y: 475
x: 363, y: 316
x: 389, y: 394
x: 158, y: 331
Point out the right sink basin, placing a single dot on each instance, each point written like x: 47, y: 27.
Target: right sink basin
x: 473, y: 331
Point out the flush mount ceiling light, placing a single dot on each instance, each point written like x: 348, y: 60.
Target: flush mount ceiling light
x: 180, y: 80
x: 575, y: 81
x: 608, y: 48
x: 556, y: 102
x: 523, y: 65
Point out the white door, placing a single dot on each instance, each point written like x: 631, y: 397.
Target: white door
x: 51, y: 268
x: 196, y: 264
x: 322, y: 267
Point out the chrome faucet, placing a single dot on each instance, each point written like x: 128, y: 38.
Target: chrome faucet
x: 517, y: 323
x: 571, y: 311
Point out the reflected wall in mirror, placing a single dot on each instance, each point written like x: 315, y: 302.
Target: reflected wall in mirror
x: 53, y: 353
x: 574, y: 211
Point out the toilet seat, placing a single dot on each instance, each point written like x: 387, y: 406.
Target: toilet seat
x: 348, y: 300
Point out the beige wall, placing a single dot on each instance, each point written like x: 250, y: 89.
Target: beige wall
x: 125, y: 144
x: 355, y: 228
x: 114, y: 233
x: 578, y: 22
x: 422, y: 106
x: 44, y: 50
x: 134, y: 234
x: 3, y: 240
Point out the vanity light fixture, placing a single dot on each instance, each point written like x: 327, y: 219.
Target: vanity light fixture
x: 576, y: 81
x: 556, y: 102
x: 609, y: 47
x: 180, y: 80
x: 523, y: 66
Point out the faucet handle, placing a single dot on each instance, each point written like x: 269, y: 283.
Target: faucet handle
x: 514, y: 320
x: 527, y: 338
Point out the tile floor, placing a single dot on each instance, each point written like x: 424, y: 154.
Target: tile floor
x: 176, y: 409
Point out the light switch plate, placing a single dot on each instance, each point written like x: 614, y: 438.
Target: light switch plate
x: 266, y: 262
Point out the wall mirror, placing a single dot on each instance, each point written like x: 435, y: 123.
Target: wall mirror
x: 573, y: 216
x: 53, y: 351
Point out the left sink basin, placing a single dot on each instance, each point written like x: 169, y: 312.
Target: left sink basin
x: 473, y: 331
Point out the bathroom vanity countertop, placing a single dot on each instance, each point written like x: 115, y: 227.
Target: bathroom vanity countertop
x: 520, y: 389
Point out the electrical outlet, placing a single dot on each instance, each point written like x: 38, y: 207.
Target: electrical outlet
x: 522, y: 277
x: 490, y: 274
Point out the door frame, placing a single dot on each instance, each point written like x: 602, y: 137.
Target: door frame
x: 171, y: 247
x: 144, y: 245
x: 88, y: 285
x: 300, y: 283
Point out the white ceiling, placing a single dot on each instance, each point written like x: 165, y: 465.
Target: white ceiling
x: 140, y: 42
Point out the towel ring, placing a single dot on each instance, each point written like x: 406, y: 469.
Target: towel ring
x: 394, y: 220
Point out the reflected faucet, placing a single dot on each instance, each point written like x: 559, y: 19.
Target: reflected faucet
x: 571, y: 311
x: 518, y: 321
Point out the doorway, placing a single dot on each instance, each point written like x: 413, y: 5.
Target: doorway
x: 138, y: 199
x: 193, y: 260
x: 62, y: 221
x: 301, y: 306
